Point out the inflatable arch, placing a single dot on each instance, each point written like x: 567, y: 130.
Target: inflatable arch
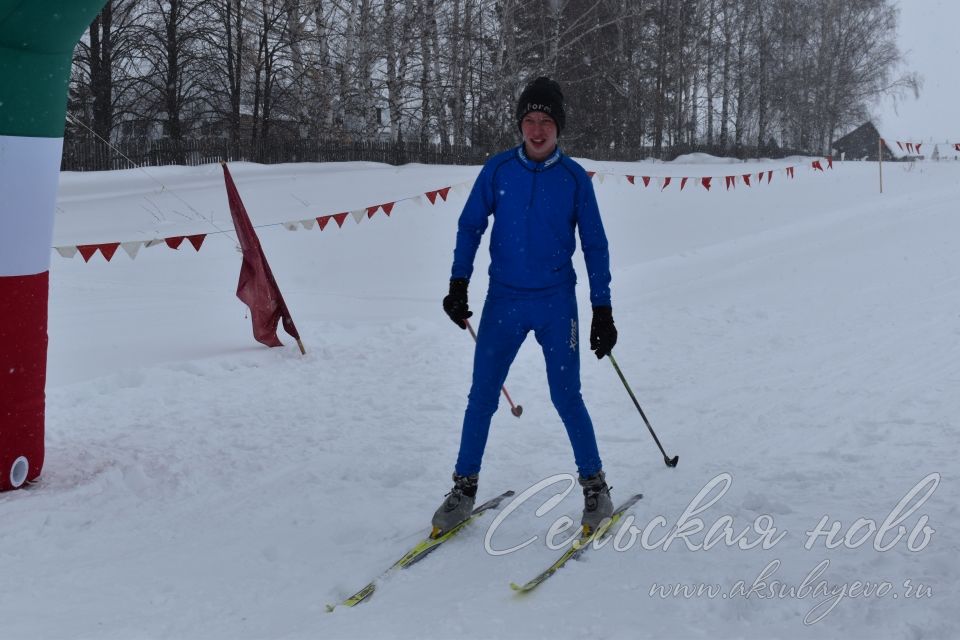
x: 37, y: 38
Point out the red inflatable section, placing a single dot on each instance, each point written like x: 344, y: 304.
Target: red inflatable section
x: 23, y: 373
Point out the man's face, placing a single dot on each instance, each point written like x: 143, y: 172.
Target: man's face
x: 539, y: 135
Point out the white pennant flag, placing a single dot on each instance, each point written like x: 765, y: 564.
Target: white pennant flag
x: 308, y: 224
x: 66, y: 252
x: 132, y: 248
x: 291, y: 226
x: 359, y: 215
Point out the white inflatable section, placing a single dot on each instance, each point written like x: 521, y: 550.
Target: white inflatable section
x: 29, y: 175
x: 19, y: 471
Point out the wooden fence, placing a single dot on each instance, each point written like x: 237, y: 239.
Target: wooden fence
x: 86, y: 155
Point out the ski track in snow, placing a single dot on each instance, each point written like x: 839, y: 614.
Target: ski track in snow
x: 801, y: 336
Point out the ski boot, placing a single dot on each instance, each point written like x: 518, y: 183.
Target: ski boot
x: 597, y: 505
x: 457, y: 506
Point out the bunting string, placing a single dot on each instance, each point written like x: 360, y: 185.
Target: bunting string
x: 433, y: 198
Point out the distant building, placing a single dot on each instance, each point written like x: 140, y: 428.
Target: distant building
x: 863, y: 143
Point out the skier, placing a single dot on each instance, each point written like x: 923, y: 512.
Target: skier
x: 538, y: 196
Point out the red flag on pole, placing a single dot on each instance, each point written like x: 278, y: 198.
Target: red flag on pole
x: 257, y: 287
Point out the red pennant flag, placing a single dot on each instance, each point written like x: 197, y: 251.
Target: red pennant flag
x: 790, y: 171
x: 197, y: 240
x: 731, y: 180
x: 87, y: 251
x: 646, y: 181
x: 898, y: 144
x: 590, y: 174
x: 174, y: 242
x: 630, y: 178
x: 257, y: 287
x: 666, y: 183
x: 769, y: 177
x: 340, y: 217
x: 816, y: 165
x: 746, y: 179
x: 706, y: 183
x: 371, y: 211
x: 388, y: 207
x: 917, y: 146
x: 829, y: 162
x: 957, y: 146
x: 910, y: 147
x: 432, y: 196
x: 760, y: 177
x: 109, y: 249
x: 683, y: 183
x: 323, y: 221
x: 442, y: 192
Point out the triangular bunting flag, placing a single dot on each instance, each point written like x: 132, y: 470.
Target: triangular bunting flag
x: 917, y: 147
x: 646, y: 181
x: 323, y: 221
x: 370, y: 211
x: 87, y: 251
x: 665, y: 182
x: 66, y: 252
x: 630, y: 178
x: 816, y: 165
x: 340, y: 218
x: 432, y: 196
x: 359, y: 214
x: 910, y: 147
x: 291, y: 226
x: 790, y: 171
x: 769, y: 176
x: 957, y: 146
x: 683, y: 183
x: 109, y: 249
x: 760, y: 178
x: 443, y: 193
x: 829, y: 162
x: 308, y: 224
x: 388, y: 207
x: 706, y: 183
x: 197, y: 240
x: 132, y: 248
x: 746, y: 179
x: 898, y: 144
x: 174, y: 242
x: 590, y: 174
x: 730, y: 181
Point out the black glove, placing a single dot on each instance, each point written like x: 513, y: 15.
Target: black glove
x: 603, y: 335
x: 455, y: 303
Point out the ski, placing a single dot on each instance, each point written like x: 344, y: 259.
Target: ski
x: 579, y: 546
x: 420, y: 551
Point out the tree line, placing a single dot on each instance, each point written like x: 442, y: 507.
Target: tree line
x: 718, y: 75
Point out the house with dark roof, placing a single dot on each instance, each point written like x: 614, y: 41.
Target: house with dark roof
x: 864, y: 143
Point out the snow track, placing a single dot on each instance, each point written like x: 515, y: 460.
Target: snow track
x: 801, y: 336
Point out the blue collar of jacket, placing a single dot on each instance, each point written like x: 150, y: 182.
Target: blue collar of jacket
x: 532, y: 165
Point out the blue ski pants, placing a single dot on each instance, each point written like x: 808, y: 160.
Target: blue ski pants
x: 503, y: 327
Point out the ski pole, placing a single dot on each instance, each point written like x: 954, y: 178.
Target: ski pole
x: 670, y: 462
x: 514, y: 409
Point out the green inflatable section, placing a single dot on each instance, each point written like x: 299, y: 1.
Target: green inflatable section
x: 37, y: 38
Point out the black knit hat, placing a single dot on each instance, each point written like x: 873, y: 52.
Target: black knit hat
x: 542, y: 94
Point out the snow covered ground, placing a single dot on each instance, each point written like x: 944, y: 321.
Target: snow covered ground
x: 798, y: 338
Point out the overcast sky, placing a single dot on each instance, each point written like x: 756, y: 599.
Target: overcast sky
x: 930, y: 40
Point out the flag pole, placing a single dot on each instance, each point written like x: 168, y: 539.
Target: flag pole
x: 880, y: 161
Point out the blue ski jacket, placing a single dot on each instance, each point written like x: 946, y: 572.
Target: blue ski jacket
x: 535, y: 207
